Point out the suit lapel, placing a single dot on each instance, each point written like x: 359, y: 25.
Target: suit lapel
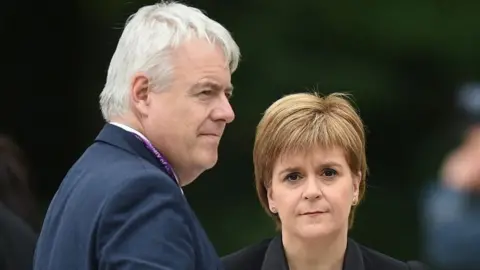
x: 353, y: 259
x: 275, y: 256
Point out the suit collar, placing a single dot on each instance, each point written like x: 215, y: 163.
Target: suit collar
x: 353, y: 257
x: 275, y: 256
x: 127, y: 141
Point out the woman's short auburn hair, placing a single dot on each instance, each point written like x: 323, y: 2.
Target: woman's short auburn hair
x: 299, y: 122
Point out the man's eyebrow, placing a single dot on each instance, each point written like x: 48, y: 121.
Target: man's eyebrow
x: 214, y: 85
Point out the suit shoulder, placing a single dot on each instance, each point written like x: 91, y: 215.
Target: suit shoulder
x: 105, y: 157
x: 106, y: 174
x: 376, y: 260
x: 247, y: 258
x: 117, y: 169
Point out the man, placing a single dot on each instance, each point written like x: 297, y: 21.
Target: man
x: 166, y: 100
x: 451, y: 214
x: 17, y: 241
x: 17, y: 213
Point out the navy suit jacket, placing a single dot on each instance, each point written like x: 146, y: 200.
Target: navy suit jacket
x: 118, y: 209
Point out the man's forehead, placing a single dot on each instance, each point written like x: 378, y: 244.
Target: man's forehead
x: 199, y: 49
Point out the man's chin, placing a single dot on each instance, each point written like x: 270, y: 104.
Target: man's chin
x: 211, y: 163
x: 207, y: 160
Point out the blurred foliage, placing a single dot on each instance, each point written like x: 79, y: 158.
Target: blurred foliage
x: 401, y: 60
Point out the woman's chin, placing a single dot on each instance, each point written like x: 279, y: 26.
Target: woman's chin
x: 312, y: 231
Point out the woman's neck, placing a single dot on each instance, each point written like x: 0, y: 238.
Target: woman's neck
x: 325, y: 253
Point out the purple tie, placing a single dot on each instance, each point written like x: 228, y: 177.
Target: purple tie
x: 159, y: 156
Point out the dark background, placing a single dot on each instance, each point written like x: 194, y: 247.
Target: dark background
x: 402, y: 61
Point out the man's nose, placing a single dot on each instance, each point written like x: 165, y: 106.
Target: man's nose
x: 224, y: 111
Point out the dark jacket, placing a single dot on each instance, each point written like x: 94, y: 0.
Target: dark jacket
x: 118, y: 209
x: 17, y: 242
x: 269, y: 255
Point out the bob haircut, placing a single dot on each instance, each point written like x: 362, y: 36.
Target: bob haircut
x: 299, y: 122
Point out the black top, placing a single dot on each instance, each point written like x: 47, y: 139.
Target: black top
x: 269, y: 255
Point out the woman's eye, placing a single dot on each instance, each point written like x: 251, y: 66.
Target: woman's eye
x: 329, y: 172
x: 292, y: 177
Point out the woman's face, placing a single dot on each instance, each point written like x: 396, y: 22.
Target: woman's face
x: 313, y: 192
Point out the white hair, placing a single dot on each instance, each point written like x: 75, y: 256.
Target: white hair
x: 144, y: 46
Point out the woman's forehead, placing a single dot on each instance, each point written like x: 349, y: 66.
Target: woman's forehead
x: 333, y: 154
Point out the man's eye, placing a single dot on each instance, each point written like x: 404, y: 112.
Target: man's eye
x: 206, y: 92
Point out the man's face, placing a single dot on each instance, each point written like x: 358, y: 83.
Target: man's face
x: 186, y: 121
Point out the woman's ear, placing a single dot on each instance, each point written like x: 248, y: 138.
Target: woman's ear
x: 271, y: 202
x: 357, y: 179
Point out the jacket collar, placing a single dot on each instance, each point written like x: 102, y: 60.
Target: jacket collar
x: 275, y: 256
x: 127, y: 141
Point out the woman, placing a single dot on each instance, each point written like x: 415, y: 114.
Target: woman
x: 310, y: 168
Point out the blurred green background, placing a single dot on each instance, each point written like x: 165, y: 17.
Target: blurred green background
x: 401, y: 60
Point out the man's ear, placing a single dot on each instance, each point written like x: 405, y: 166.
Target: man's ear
x: 139, y: 93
